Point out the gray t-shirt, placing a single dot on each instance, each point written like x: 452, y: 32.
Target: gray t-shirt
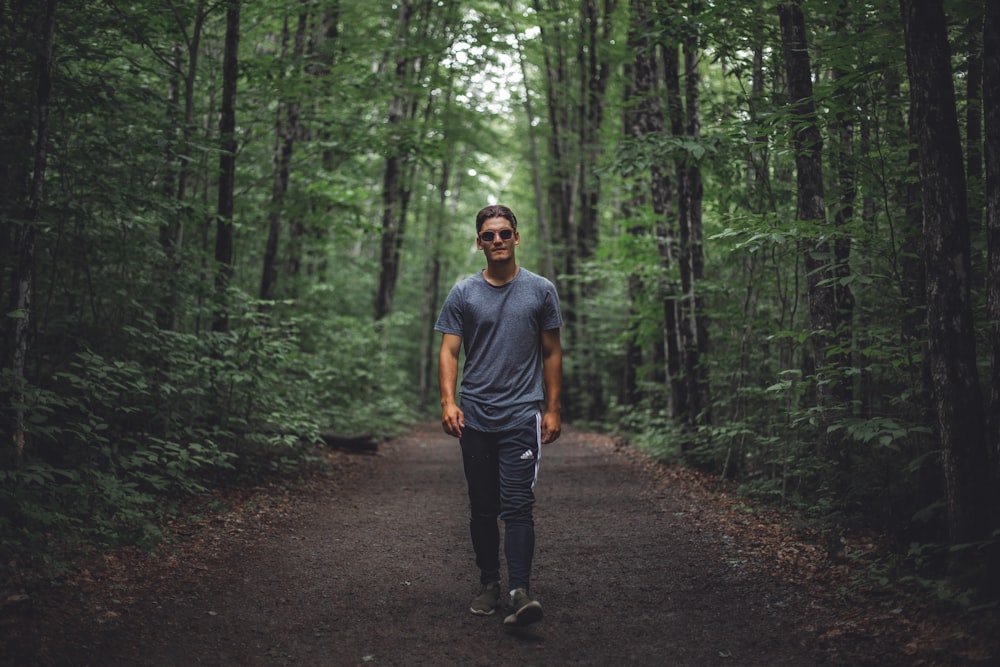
x: 501, y: 330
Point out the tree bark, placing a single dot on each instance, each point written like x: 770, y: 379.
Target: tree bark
x: 536, y: 175
x: 166, y: 315
x: 642, y: 120
x: 227, y: 167
x: 843, y: 132
x: 685, y: 127
x: 820, y: 259
x: 395, y: 194
x: 176, y: 177
x: 23, y: 282
x: 663, y: 204
x: 974, y: 116
x: 285, y: 129
x: 694, y: 193
x: 596, y: 27
x: 991, y: 106
x: 560, y: 190
x: 952, y: 347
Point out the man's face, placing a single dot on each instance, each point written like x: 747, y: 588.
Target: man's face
x: 491, y: 239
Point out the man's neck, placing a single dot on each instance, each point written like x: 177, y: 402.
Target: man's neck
x: 500, y: 273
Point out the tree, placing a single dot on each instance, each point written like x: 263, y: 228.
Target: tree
x: 648, y: 187
x: 685, y: 124
x: 674, y: 316
x: 952, y: 352
x: 825, y: 262
x: 23, y: 281
x: 177, y: 147
x: 286, y: 125
x: 227, y: 166
x: 578, y: 61
x: 536, y: 166
x: 420, y: 32
x: 991, y: 105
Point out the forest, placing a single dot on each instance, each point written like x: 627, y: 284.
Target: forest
x: 227, y: 229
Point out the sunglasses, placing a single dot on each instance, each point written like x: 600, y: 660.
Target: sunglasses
x: 505, y: 235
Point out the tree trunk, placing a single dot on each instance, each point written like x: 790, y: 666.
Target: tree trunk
x: 392, y: 234
x: 679, y: 319
x: 991, y: 105
x: 394, y: 191
x: 642, y: 120
x: 176, y: 177
x: 321, y: 53
x: 227, y: 167
x: 843, y: 131
x: 562, y: 182
x: 596, y: 30
x: 17, y: 125
x: 560, y: 179
x: 694, y: 191
x: 663, y: 193
x: 166, y: 316
x: 952, y: 352
x: 974, y: 117
x: 23, y: 281
x: 285, y: 129
x: 820, y: 261
x: 536, y: 176
x: 685, y: 126
x: 758, y: 173
x: 646, y: 123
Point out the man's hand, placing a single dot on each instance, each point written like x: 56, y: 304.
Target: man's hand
x: 551, y: 427
x: 452, y: 420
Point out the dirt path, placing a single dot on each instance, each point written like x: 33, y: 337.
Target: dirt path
x: 377, y: 570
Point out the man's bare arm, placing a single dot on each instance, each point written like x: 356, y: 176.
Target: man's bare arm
x: 552, y: 379
x: 452, y: 418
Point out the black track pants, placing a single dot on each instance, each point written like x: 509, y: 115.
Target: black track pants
x: 501, y: 469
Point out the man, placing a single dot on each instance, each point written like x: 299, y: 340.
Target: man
x: 508, y: 320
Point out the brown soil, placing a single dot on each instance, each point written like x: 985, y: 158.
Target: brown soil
x: 370, y: 564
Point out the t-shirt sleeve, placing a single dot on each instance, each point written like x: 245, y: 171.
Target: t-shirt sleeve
x: 552, y: 315
x: 450, y: 319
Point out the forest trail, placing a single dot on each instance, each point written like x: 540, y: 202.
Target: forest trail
x: 374, y: 567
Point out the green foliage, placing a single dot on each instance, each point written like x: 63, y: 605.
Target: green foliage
x: 131, y: 400
x: 174, y: 413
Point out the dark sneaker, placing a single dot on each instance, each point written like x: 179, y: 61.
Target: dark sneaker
x: 523, y: 610
x: 487, y: 601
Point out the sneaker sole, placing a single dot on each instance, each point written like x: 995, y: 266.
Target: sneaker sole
x: 529, y: 613
x: 480, y: 612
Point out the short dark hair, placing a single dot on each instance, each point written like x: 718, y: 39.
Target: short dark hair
x: 495, y: 211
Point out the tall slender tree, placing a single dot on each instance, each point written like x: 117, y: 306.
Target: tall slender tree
x: 692, y: 220
x: 821, y: 260
x: 178, y: 161
x: 227, y: 166
x: 677, y: 331
x: 531, y: 121
x: 23, y: 282
x: 639, y: 103
x: 420, y: 29
x: 596, y: 29
x: 286, y: 124
x: 991, y: 105
x: 952, y: 346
